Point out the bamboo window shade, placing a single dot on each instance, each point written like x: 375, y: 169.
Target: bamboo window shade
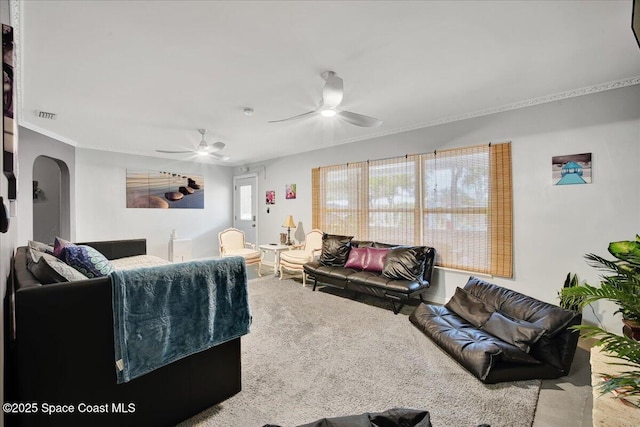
x: 458, y: 201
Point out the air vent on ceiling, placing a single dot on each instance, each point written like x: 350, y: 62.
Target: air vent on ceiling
x: 46, y: 115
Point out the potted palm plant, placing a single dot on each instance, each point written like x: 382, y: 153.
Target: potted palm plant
x: 620, y: 284
x: 570, y: 302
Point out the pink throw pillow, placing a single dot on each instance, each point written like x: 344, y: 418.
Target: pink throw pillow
x: 357, y: 258
x: 375, y: 259
x: 59, y: 245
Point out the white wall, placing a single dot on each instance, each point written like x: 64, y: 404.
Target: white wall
x: 101, y: 203
x: 554, y: 226
x: 32, y: 146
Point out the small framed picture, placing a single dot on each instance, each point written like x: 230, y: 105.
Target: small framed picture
x: 271, y: 197
x: 290, y: 191
x: 571, y: 169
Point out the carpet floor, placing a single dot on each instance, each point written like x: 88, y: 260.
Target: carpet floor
x: 311, y: 355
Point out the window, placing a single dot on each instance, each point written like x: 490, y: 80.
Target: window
x: 246, y: 203
x: 458, y: 201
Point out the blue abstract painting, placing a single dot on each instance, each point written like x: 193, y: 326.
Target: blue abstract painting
x: 571, y: 169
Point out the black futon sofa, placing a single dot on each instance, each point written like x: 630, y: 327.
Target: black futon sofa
x: 63, y: 354
x: 499, y: 334
x: 394, y: 272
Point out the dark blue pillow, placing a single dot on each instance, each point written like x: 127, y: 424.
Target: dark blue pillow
x: 86, y: 260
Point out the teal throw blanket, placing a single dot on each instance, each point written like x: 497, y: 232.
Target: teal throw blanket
x: 164, y: 313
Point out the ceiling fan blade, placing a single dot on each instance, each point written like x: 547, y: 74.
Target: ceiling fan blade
x: 173, y: 152
x: 219, y: 156
x: 359, y: 119
x: 299, y: 116
x: 216, y: 146
x: 333, y: 90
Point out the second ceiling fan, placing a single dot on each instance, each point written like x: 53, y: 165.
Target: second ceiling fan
x: 204, y: 149
x: 331, y: 99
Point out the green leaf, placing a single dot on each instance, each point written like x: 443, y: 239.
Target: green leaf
x: 621, y: 347
x: 626, y: 250
x: 624, y: 385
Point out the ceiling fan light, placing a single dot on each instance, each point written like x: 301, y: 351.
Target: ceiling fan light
x: 202, y: 152
x: 328, y: 113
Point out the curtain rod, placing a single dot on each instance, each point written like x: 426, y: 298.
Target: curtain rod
x: 406, y: 156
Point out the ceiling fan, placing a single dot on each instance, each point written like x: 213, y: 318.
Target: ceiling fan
x: 204, y: 149
x: 331, y: 99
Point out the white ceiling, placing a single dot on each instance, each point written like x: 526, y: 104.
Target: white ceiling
x: 136, y: 76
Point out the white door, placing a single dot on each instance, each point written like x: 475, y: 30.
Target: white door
x: 246, y: 206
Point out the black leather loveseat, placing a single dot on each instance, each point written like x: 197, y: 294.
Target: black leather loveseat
x: 63, y: 354
x: 499, y: 334
x: 394, y: 272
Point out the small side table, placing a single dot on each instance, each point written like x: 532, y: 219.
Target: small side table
x: 179, y: 250
x: 276, y: 249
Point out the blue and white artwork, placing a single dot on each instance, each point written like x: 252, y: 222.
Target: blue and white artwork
x: 571, y: 169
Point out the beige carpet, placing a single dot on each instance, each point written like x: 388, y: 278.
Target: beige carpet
x: 312, y: 355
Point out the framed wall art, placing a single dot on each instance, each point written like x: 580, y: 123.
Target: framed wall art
x: 164, y: 190
x: 290, y: 191
x: 9, y: 134
x: 571, y: 169
x: 271, y: 197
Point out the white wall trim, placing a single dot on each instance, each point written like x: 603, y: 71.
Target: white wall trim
x: 48, y: 133
x: 617, y: 84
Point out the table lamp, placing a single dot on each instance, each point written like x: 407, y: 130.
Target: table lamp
x: 289, y: 223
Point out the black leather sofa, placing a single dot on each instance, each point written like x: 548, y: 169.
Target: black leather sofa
x: 499, y: 334
x: 405, y: 273
x: 63, y: 354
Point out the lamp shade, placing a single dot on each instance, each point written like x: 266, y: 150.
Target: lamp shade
x: 289, y: 222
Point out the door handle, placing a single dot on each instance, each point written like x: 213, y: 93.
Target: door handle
x: 253, y: 225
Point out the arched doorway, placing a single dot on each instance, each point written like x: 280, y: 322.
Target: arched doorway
x: 51, y: 207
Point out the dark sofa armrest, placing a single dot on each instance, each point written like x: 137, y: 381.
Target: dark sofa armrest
x: 65, y: 328
x: 559, y: 350
x: 429, y: 263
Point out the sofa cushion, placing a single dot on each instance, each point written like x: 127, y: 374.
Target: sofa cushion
x: 375, y: 259
x: 557, y: 346
x: 295, y: 256
x: 357, y: 258
x: 58, y: 246
x: 520, y: 333
x: 86, y: 260
x: 397, y: 417
x: 247, y: 253
x: 405, y: 263
x: 49, y: 269
x: 552, y: 318
x: 39, y: 246
x: 366, y: 258
x: 477, y: 350
x: 362, y: 243
x: 374, y: 279
x: 314, y: 268
x: 470, y: 308
x: 335, y: 249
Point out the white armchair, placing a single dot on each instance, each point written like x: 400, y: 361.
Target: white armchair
x: 295, y: 259
x: 232, y: 243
